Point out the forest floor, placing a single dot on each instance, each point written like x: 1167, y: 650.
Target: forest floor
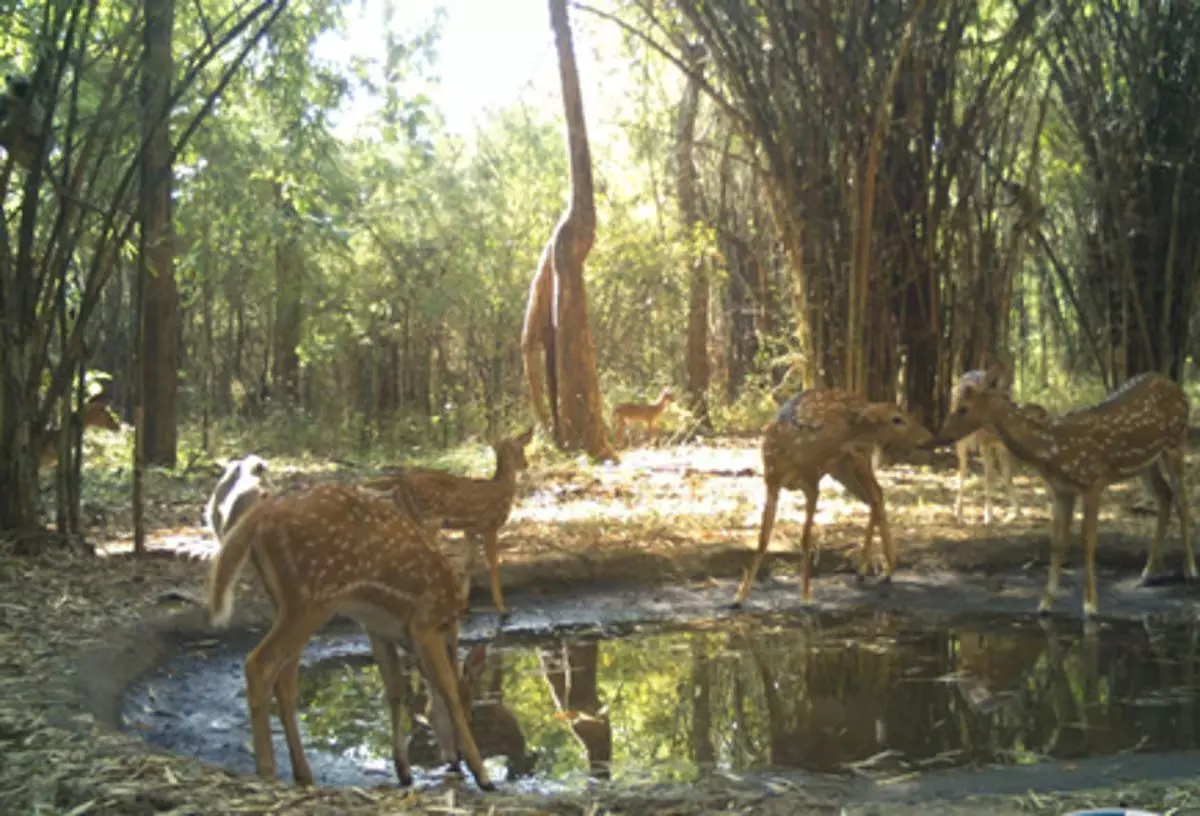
x: 75, y: 631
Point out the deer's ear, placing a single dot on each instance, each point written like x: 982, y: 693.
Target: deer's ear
x: 997, y: 377
x: 525, y: 438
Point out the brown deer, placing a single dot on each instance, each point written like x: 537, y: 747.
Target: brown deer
x: 329, y: 549
x: 478, y: 507
x: 820, y: 432
x: 994, y: 455
x: 95, y: 413
x: 1140, y: 429
x: 628, y: 412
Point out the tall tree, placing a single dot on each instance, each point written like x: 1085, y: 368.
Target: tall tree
x: 698, y: 370
x: 159, y: 336
x: 556, y: 320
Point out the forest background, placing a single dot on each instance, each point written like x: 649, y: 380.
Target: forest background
x: 313, y: 225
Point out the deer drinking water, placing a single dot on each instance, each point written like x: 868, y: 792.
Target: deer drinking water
x: 648, y: 414
x: 478, y: 507
x: 330, y: 549
x: 820, y: 432
x: 1140, y: 429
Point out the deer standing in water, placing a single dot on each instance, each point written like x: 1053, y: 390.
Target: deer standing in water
x: 330, y: 549
x: 1138, y: 430
x: 820, y: 432
x: 478, y: 507
x: 95, y: 413
x: 648, y: 414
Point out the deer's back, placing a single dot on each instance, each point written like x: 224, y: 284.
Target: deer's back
x: 461, y: 502
x: 810, y: 432
x: 1121, y: 435
x: 333, y: 543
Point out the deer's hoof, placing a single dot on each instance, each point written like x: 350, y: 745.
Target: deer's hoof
x: 488, y: 786
x: 736, y: 606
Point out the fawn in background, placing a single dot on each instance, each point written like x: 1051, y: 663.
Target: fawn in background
x: 1140, y: 429
x: 992, y: 452
x: 646, y: 413
x: 95, y: 413
x: 820, y: 432
x: 329, y: 549
x: 478, y: 507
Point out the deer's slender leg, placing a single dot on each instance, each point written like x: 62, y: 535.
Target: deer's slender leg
x: 985, y: 453
x: 471, y: 542
x: 858, y: 477
x: 1173, y: 459
x: 491, y: 548
x: 287, y: 697
x: 1162, y: 492
x: 1064, y: 511
x: 764, y: 539
x: 431, y: 648
x: 1004, y: 457
x: 963, y: 449
x: 264, y: 664
x: 811, y: 491
x: 392, y: 674
x: 1091, y: 518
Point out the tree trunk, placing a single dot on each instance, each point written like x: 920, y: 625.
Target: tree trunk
x: 698, y: 371
x: 289, y: 315
x: 159, y: 370
x: 579, y: 405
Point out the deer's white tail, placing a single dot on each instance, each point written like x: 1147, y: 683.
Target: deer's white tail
x: 226, y: 567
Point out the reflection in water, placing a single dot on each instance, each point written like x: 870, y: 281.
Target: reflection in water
x: 873, y: 693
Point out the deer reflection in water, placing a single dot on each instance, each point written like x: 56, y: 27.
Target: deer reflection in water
x: 883, y: 693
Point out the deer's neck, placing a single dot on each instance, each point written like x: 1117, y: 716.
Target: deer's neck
x: 506, y: 472
x: 1028, y: 437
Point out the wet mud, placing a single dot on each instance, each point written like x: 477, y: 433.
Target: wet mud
x: 936, y: 685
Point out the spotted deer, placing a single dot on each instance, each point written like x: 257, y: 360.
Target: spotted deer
x: 478, y: 507
x: 629, y: 412
x: 336, y: 549
x: 95, y: 413
x: 821, y: 432
x: 992, y: 453
x: 1140, y: 429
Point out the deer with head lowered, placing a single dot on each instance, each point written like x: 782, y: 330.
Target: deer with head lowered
x: 991, y: 449
x: 478, y: 507
x: 1138, y: 430
x: 819, y: 432
x: 646, y: 413
x: 335, y: 549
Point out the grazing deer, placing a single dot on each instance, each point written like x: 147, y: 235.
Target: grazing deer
x: 991, y: 451
x: 478, y: 507
x: 95, y: 413
x: 820, y: 432
x: 329, y: 549
x: 1140, y: 429
x: 628, y: 412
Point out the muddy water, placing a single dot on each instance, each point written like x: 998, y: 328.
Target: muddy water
x: 864, y: 694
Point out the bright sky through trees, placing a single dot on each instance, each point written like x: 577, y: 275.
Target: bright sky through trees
x: 490, y: 53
